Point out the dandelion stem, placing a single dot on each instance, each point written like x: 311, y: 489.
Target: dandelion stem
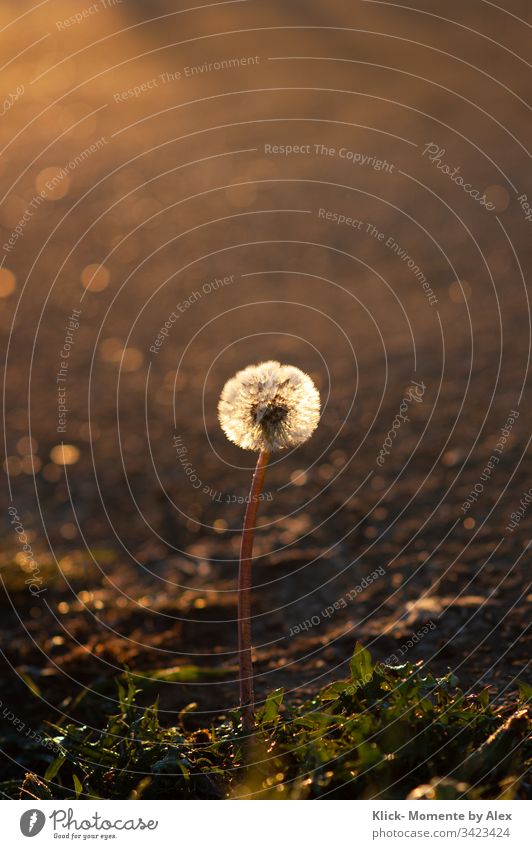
x: 244, y: 594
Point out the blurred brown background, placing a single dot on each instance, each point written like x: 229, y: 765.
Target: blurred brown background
x: 144, y: 157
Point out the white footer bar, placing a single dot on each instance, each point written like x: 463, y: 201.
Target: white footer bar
x: 263, y: 824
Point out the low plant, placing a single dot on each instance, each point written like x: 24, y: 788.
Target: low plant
x: 264, y: 408
x: 388, y: 732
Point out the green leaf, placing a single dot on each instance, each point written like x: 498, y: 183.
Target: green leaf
x: 30, y: 682
x: 337, y: 689
x: 383, y: 726
x: 361, y: 666
x: 316, y: 720
x: 525, y: 691
x: 78, y: 786
x: 273, y: 702
x: 484, y: 697
x: 54, y: 768
x: 184, y: 674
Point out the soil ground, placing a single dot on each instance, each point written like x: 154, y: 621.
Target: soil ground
x: 194, y: 207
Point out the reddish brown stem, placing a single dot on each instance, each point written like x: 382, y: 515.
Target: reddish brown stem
x: 244, y: 595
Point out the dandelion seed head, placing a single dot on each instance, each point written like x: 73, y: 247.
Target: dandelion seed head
x: 269, y: 407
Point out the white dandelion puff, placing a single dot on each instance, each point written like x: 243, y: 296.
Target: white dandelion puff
x: 269, y: 407
x: 263, y: 408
